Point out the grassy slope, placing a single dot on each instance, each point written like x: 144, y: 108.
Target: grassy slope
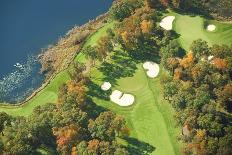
x: 49, y: 94
x: 192, y: 28
x: 150, y: 118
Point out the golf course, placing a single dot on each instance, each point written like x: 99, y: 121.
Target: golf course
x: 191, y: 28
x: 150, y: 118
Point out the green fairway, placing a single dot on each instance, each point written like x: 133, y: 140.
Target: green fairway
x: 150, y: 118
x: 50, y: 92
x: 193, y: 28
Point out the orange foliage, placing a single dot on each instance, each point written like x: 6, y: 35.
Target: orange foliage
x: 164, y: 2
x: 73, y: 152
x: 177, y: 74
x: 76, y: 88
x: 65, y: 135
x: 146, y: 26
x: 172, y: 62
x: 187, y: 61
x: 93, y: 144
x: 196, y: 71
x: 220, y: 63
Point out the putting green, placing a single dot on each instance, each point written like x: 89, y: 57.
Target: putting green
x: 193, y: 28
x: 150, y: 117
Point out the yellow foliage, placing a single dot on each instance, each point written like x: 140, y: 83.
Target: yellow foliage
x: 125, y: 36
x: 201, y: 134
x: 93, y: 144
x: 146, y: 26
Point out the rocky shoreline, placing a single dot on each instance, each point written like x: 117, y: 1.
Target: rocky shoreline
x: 92, y: 26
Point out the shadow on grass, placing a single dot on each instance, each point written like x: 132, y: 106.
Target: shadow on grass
x: 137, y: 147
x: 93, y: 109
x: 121, y: 65
x: 95, y: 90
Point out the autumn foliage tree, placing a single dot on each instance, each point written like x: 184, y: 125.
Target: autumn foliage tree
x: 200, y: 91
x: 111, y: 126
x: 165, y: 2
x: 220, y: 63
x: 187, y: 61
x: 146, y: 26
x: 67, y: 136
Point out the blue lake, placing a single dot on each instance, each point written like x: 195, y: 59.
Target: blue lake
x: 27, y: 26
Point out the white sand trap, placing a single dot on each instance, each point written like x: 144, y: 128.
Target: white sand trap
x: 122, y: 99
x: 106, y: 86
x: 166, y: 23
x: 210, y: 57
x: 152, y: 69
x: 211, y: 27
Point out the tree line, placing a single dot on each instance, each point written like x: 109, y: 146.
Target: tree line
x: 199, y: 88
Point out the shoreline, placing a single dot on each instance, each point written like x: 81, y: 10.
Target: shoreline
x: 67, y: 61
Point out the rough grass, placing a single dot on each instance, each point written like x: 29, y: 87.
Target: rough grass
x: 192, y: 28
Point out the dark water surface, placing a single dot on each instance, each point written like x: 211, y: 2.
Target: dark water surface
x: 26, y: 26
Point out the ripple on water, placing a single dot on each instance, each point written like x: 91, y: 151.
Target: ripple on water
x: 18, y: 85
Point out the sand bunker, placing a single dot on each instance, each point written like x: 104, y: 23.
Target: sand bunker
x: 106, y: 86
x: 152, y: 69
x: 211, y: 27
x: 210, y: 57
x: 122, y: 99
x: 166, y: 23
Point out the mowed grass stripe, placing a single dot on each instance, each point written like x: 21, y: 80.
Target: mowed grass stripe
x: 144, y: 118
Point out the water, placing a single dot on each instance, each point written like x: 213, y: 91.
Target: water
x: 26, y: 26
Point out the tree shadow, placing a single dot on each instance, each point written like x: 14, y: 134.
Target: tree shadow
x: 93, y: 109
x: 95, y: 90
x: 137, y: 147
x: 121, y: 65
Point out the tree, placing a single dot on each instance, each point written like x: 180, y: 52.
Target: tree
x: 187, y: 61
x: 172, y: 63
x: 178, y: 74
x: 106, y: 126
x: 76, y: 73
x: 199, y: 48
x: 225, y: 97
x: 78, y: 91
x: 124, y: 8
x: 146, y: 26
x: 91, y: 53
x: 67, y: 136
x: 165, y: 2
x: 103, y: 48
x: 220, y: 63
x: 5, y: 120
x: 176, y: 3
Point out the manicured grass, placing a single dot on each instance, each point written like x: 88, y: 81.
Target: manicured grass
x: 50, y: 93
x: 193, y: 28
x: 150, y: 118
x: 47, y: 95
x: 92, y: 40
